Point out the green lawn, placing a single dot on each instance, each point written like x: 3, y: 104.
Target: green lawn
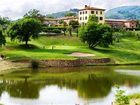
x: 127, y: 51
x: 135, y: 96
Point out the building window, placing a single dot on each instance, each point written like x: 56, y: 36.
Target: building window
x: 80, y: 18
x: 96, y: 12
x: 101, y: 18
x: 86, y: 18
x: 85, y: 12
x: 92, y: 12
x: 83, y: 18
x: 80, y: 12
x: 101, y: 12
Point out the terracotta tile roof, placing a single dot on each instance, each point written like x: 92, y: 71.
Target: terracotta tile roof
x: 51, y: 19
x: 119, y: 20
x: 91, y: 8
x: 69, y: 17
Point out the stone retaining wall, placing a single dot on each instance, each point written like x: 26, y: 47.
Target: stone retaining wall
x: 72, y: 63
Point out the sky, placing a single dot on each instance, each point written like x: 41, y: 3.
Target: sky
x: 15, y: 9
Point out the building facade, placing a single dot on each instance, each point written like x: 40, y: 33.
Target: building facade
x: 51, y: 22
x: 87, y: 11
x: 119, y: 23
x: 67, y: 19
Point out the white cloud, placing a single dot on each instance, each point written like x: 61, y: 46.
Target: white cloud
x: 17, y: 8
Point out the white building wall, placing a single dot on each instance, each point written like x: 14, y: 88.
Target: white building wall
x: 84, y: 15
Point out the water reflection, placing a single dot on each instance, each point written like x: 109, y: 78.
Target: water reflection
x: 94, y: 87
x: 88, y: 85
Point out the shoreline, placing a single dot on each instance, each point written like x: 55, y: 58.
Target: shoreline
x: 8, y: 66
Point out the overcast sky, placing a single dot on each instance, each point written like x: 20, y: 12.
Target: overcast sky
x: 17, y: 8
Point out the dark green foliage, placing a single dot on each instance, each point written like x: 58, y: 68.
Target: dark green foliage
x: 53, y: 29
x: 56, y: 31
x: 138, y: 36
x: 117, y: 36
x: 34, y: 13
x: 4, y: 22
x: 50, y: 16
x: 74, y: 24
x: 35, y: 64
x: 96, y: 34
x: 24, y: 30
x: 138, y: 24
x: 61, y: 21
x: 2, y: 38
x: 70, y: 14
x: 93, y: 18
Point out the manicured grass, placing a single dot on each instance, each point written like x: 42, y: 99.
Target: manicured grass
x: 135, y: 96
x: 125, y: 52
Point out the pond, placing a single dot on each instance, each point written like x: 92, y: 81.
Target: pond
x: 93, y: 85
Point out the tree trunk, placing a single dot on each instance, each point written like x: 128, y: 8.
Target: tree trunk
x: 93, y: 46
x: 26, y: 43
x: 70, y: 32
x: 64, y: 33
x: 96, y: 44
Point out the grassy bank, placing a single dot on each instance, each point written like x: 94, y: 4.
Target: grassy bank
x: 59, y: 47
x: 134, y: 96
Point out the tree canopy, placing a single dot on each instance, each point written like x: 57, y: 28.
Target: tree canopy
x: 74, y: 24
x: 34, y: 13
x: 2, y: 38
x: 93, y: 18
x: 50, y: 16
x: 24, y: 30
x: 4, y: 21
x: 95, y: 34
x: 70, y: 14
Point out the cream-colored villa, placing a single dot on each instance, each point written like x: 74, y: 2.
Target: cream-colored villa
x: 87, y: 11
x: 84, y: 14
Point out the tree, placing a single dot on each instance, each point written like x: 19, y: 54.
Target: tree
x: 24, y: 30
x: 69, y: 28
x: 138, y: 24
x: 64, y: 25
x: 34, y: 13
x: 64, y: 28
x: 93, y: 18
x: 95, y: 34
x: 4, y: 22
x: 50, y: 16
x: 2, y: 38
x: 70, y: 14
x: 74, y: 24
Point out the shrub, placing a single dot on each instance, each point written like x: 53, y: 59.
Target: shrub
x: 117, y: 36
x: 35, y: 64
x: 121, y: 98
x: 129, y: 34
x: 56, y: 31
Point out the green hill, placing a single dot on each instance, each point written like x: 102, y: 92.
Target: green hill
x: 62, y: 14
x: 124, y: 12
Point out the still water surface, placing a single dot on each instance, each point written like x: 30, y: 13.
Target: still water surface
x: 68, y: 86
